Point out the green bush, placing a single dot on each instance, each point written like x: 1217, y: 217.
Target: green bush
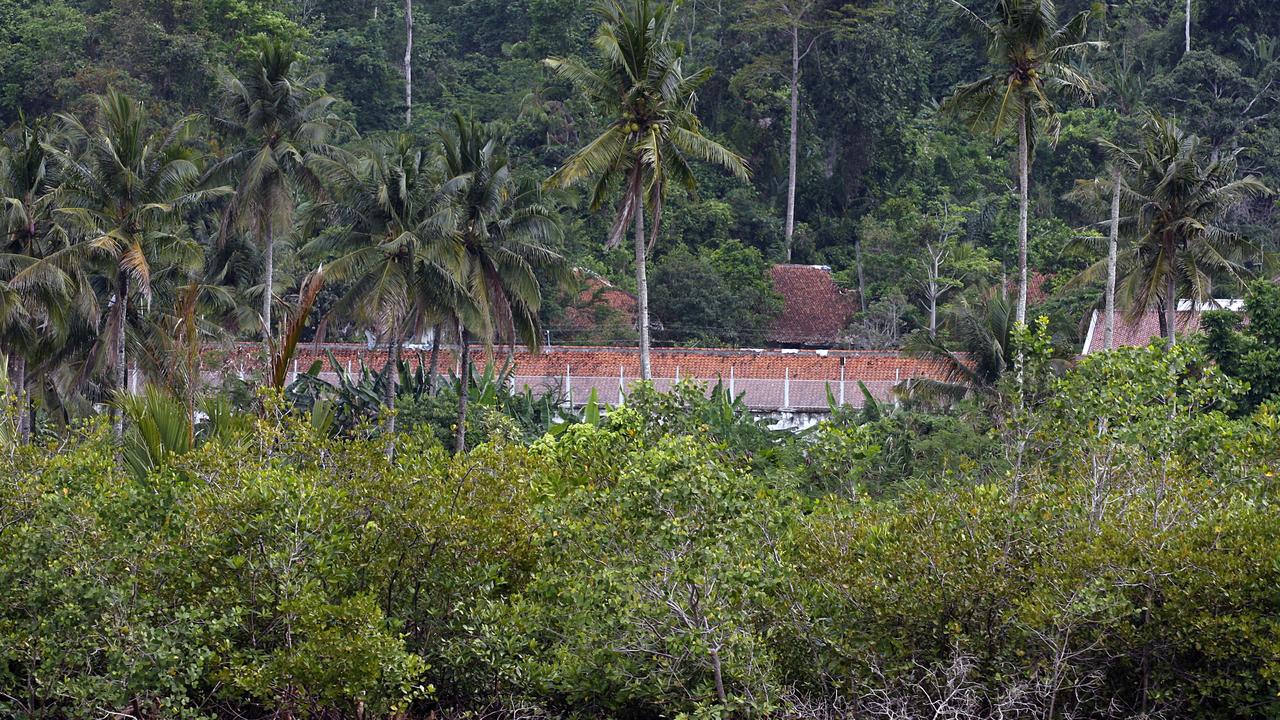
x: 672, y: 557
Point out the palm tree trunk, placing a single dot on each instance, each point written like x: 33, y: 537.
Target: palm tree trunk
x: 464, y: 377
x: 122, y: 365
x: 1024, y: 203
x: 389, y: 375
x: 408, y: 62
x: 642, y: 280
x: 268, y: 277
x: 434, y: 366
x: 793, y: 151
x: 1171, y: 310
x: 1113, y: 244
x: 20, y: 394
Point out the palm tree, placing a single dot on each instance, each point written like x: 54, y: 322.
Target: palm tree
x: 642, y: 87
x: 1176, y: 200
x: 1030, y: 55
x: 505, y: 233
x: 976, y: 345
x: 123, y: 194
x: 280, y: 119
x: 36, y: 299
x: 395, y: 244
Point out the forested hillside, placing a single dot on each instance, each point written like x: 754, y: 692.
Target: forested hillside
x: 883, y: 181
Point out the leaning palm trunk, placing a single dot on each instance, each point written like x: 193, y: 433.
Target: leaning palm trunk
x: 1112, y: 252
x: 464, y: 375
x: 642, y: 279
x: 1024, y: 202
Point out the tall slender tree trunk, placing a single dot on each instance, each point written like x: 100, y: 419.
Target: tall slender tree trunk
x: 390, y: 373
x: 464, y: 377
x: 408, y: 62
x: 642, y: 280
x: 1171, y: 310
x: 1024, y: 203
x: 1113, y: 245
x: 19, y: 382
x: 434, y: 366
x: 122, y: 365
x: 1188, y: 28
x: 933, y: 293
x: 794, y: 150
x: 268, y: 282
x: 862, y: 277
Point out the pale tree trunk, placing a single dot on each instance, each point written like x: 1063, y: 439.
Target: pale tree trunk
x: 933, y: 291
x: 19, y: 382
x: 408, y: 62
x: 390, y: 374
x: 460, y: 440
x: 122, y: 366
x: 793, y: 150
x: 1024, y: 202
x: 862, y: 277
x: 1188, y: 27
x: 642, y: 282
x: 1171, y: 310
x: 434, y: 366
x: 268, y: 277
x: 1113, y: 246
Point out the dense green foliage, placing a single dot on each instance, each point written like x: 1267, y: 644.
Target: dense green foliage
x: 671, y: 558
x: 1030, y: 538
x: 1249, y: 352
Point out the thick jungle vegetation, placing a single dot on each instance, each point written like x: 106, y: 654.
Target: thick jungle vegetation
x: 1039, y: 536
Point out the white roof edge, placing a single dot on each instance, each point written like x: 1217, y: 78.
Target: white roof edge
x: 1088, y: 338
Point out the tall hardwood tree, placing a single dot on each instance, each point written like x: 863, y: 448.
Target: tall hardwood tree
x: 395, y: 244
x: 642, y: 89
x: 124, y: 192
x: 506, y: 234
x: 408, y: 62
x: 1030, y: 56
x: 793, y: 19
x: 279, y: 119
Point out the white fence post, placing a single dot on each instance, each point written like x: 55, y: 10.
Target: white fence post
x: 622, y: 385
x: 786, y: 388
x: 732, y: 394
x: 568, y: 386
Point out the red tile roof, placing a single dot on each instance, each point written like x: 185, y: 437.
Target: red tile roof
x: 600, y: 298
x: 814, y: 310
x: 1139, y: 331
x: 760, y: 373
